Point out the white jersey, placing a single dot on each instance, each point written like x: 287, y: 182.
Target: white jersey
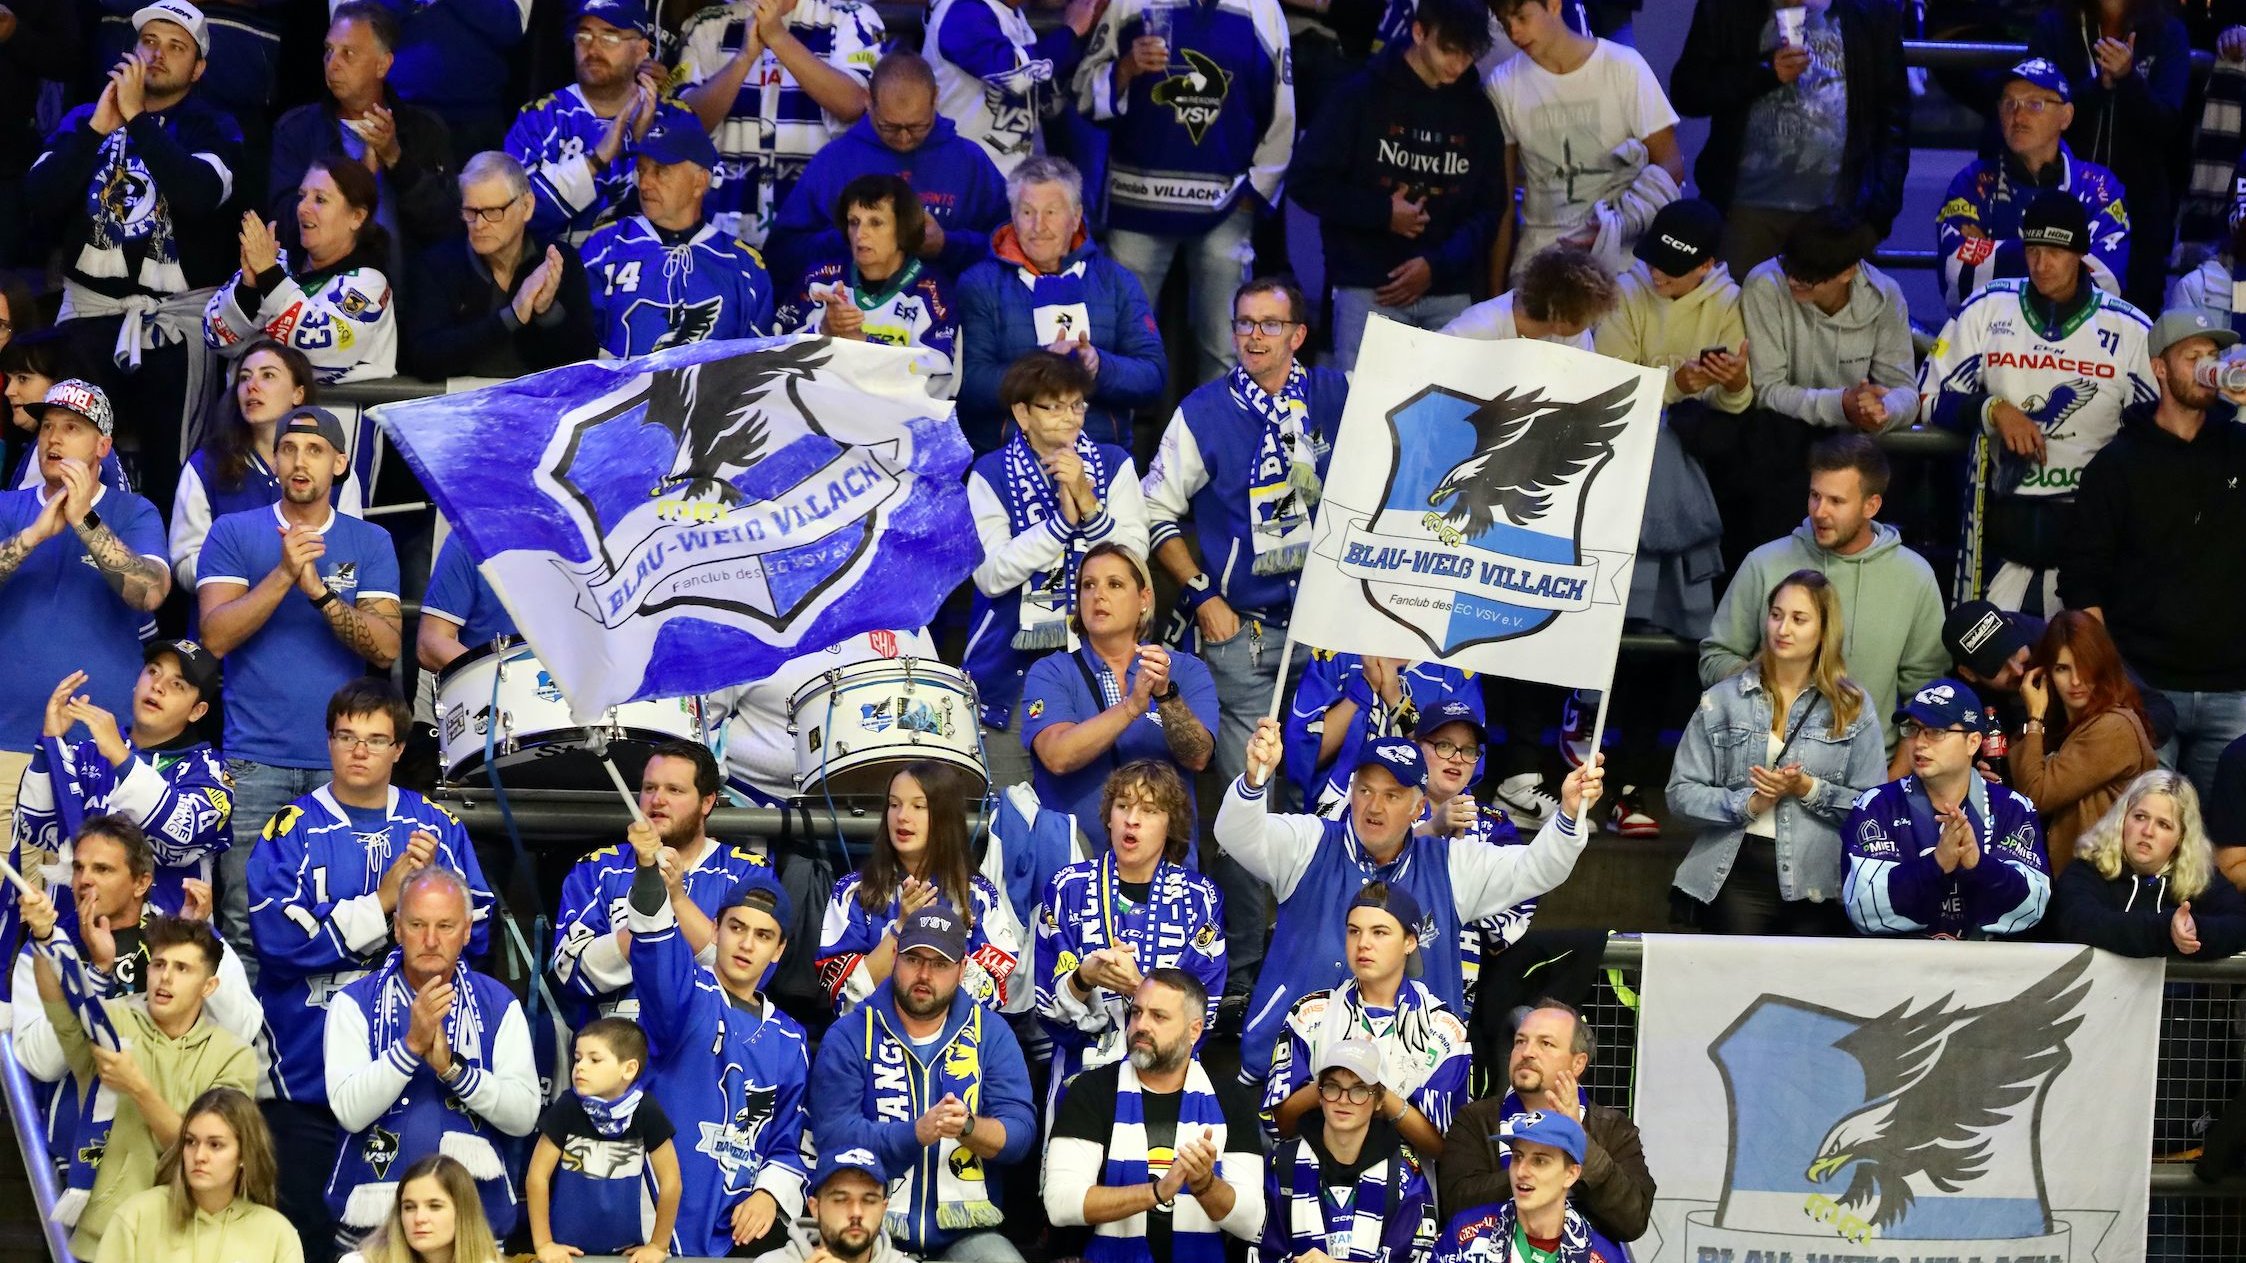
x: 759, y: 750
x: 2074, y: 380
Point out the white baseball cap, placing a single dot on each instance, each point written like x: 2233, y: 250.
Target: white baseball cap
x: 181, y: 13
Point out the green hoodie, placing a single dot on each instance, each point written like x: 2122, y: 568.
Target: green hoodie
x: 1895, y: 650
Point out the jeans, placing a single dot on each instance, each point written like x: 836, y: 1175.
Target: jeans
x: 981, y: 1247
x: 1216, y: 262
x: 260, y: 791
x: 305, y: 1140
x: 1246, y: 670
x: 2205, y: 723
x: 1353, y: 306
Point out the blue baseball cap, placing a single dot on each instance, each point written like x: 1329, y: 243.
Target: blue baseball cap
x: 1398, y: 902
x: 624, y: 15
x: 2042, y: 74
x: 1545, y: 1127
x: 834, y: 1162
x: 1449, y: 711
x: 672, y: 142
x: 937, y: 928
x: 1945, y: 704
x: 760, y: 890
x: 1400, y: 757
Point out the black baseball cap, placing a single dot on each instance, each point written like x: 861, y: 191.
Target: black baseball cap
x: 1683, y: 235
x: 1983, y: 638
x: 197, y: 665
x: 2055, y: 218
x: 937, y: 928
x: 311, y: 420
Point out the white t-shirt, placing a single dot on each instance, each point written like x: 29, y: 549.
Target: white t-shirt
x: 1766, y: 824
x: 1492, y: 321
x: 1567, y: 128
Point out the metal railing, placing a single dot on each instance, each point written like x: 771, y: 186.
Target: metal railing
x: 39, y: 1168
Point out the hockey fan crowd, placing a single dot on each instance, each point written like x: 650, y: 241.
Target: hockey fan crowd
x: 1236, y: 985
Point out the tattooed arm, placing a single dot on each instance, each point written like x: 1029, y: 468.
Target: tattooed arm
x: 369, y: 629
x: 144, y: 582
x: 1190, y: 741
x: 18, y: 546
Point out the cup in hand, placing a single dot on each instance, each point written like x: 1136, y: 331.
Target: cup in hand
x: 1158, y: 23
x: 1791, y: 19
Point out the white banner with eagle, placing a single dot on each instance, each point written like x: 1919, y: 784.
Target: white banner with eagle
x: 1895, y: 1099
x: 1482, y: 506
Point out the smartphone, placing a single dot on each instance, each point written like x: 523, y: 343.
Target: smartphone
x: 1705, y: 352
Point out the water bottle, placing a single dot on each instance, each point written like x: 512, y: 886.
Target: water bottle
x: 2227, y: 376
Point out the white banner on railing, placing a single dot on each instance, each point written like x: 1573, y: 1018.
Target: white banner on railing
x: 1845, y: 1099
x: 1482, y: 506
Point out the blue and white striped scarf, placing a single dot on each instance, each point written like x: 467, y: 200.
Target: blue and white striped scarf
x: 1194, y: 1237
x: 464, y: 1021
x: 97, y: 1104
x: 1283, y: 485
x: 1352, y: 1233
x: 1048, y: 597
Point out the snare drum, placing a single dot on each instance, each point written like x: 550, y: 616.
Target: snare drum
x: 853, y: 726
x: 503, y: 689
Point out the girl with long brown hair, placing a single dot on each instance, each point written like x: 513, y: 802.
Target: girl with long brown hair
x: 437, y: 1218
x: 922, y: 854
x: 1768, y: 767
x: 2074, y: 762
x: 214, y: 1188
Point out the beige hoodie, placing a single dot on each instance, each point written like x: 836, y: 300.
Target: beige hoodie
x: 1645, y: 328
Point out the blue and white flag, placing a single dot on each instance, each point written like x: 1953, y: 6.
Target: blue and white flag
x: 690, y: 520
x: 1897, y: 1098
x: 1482, y: 507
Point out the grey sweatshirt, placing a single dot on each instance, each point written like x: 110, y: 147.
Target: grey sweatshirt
x: 1804, y: 359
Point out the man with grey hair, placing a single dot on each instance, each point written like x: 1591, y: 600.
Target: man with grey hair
x: 426, y: 1056
x: 407, y: 148
x: 489, y: 303
x: 1047, y: 286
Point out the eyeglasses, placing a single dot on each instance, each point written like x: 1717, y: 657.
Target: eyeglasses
x: 1362, y: 1094
x: 1917, y: 732
x: 2027, y: 105
x: 487, y: 214
x: 1076, y: 409
x: 1453, y: 750
x: 347, y: 740
x: 606, y: 39
x: 904, y: 130
x: 1268, y: 328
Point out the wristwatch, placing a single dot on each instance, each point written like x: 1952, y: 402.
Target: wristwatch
x: 967, y: 1132
x: 1169, y: 692
x: 90, y: 522
x: 322, y: 601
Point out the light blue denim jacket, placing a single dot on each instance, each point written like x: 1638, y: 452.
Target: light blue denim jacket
x: 1709, y: 786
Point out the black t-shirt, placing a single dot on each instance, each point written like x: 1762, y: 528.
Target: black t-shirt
x: 587, y: 1152
x: 1087, y: 1112
x: 2226, y: 805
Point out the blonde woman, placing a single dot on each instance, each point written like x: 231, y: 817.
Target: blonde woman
x: 1767, y: 769
x: 437, y: 1218
x: 214, y: 1190
x: 2145, y: 883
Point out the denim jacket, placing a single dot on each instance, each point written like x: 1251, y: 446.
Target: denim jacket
x: 1709, y: 786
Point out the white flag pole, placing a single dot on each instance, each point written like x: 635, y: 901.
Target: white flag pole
x: 1260, y: 772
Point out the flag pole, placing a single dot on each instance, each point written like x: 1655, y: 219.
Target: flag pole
x: 1278, y: 691
x: 597, y: 741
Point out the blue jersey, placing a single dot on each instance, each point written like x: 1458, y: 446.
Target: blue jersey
x: 278, y: 681
x: 588, y: 961
x: 1991, y: 195
x: 848, y: 934
x: 317, y: 921
x: 1209, y: 132
x: 459, y: 594
x: 178, y: 794
x: 58, y: 614
x: 1337, y: 677
x: 733, y: 1079
x: 649, y: 293
x: 1426, y: 1057
x: 204, y: 498
x: 1069, y: 688
x: 554, y: 138
x: 1177, y: 922
x: 1895, y: 886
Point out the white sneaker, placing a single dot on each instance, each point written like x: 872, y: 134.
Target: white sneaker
x: 1523, y: 797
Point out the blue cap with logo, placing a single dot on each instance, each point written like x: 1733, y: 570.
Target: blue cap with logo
x: 1400, y: 757
x: 1545, y: 1127
x: 624, y: 15
x: 1945, y: 704
x: 1449, y: 711
x: 835, y: 1161
x: 937, y: 928
x: 2042, y: 74
x: 675, y: 141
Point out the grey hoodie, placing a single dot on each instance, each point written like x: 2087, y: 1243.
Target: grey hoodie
x: 1891, y: 614
x: 1804, y: 359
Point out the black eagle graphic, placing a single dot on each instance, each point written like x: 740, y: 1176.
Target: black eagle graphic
x: 715, y: 411
x: 1525, y: 445
x: 1936, y: 1080
x: 756, y: 1108
x: 690, y: 323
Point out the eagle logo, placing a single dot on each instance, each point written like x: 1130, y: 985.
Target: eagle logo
x: 1919, y: 1123
x: 1195, y: 94
x: 379, y: 1151
x: 2052, y: 410
x: 1478, y: 535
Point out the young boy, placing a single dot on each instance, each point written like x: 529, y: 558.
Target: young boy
x: 602, y: 1136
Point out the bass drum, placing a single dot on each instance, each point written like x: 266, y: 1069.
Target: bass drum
x: 855, y: 726
x: 497, y: 703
